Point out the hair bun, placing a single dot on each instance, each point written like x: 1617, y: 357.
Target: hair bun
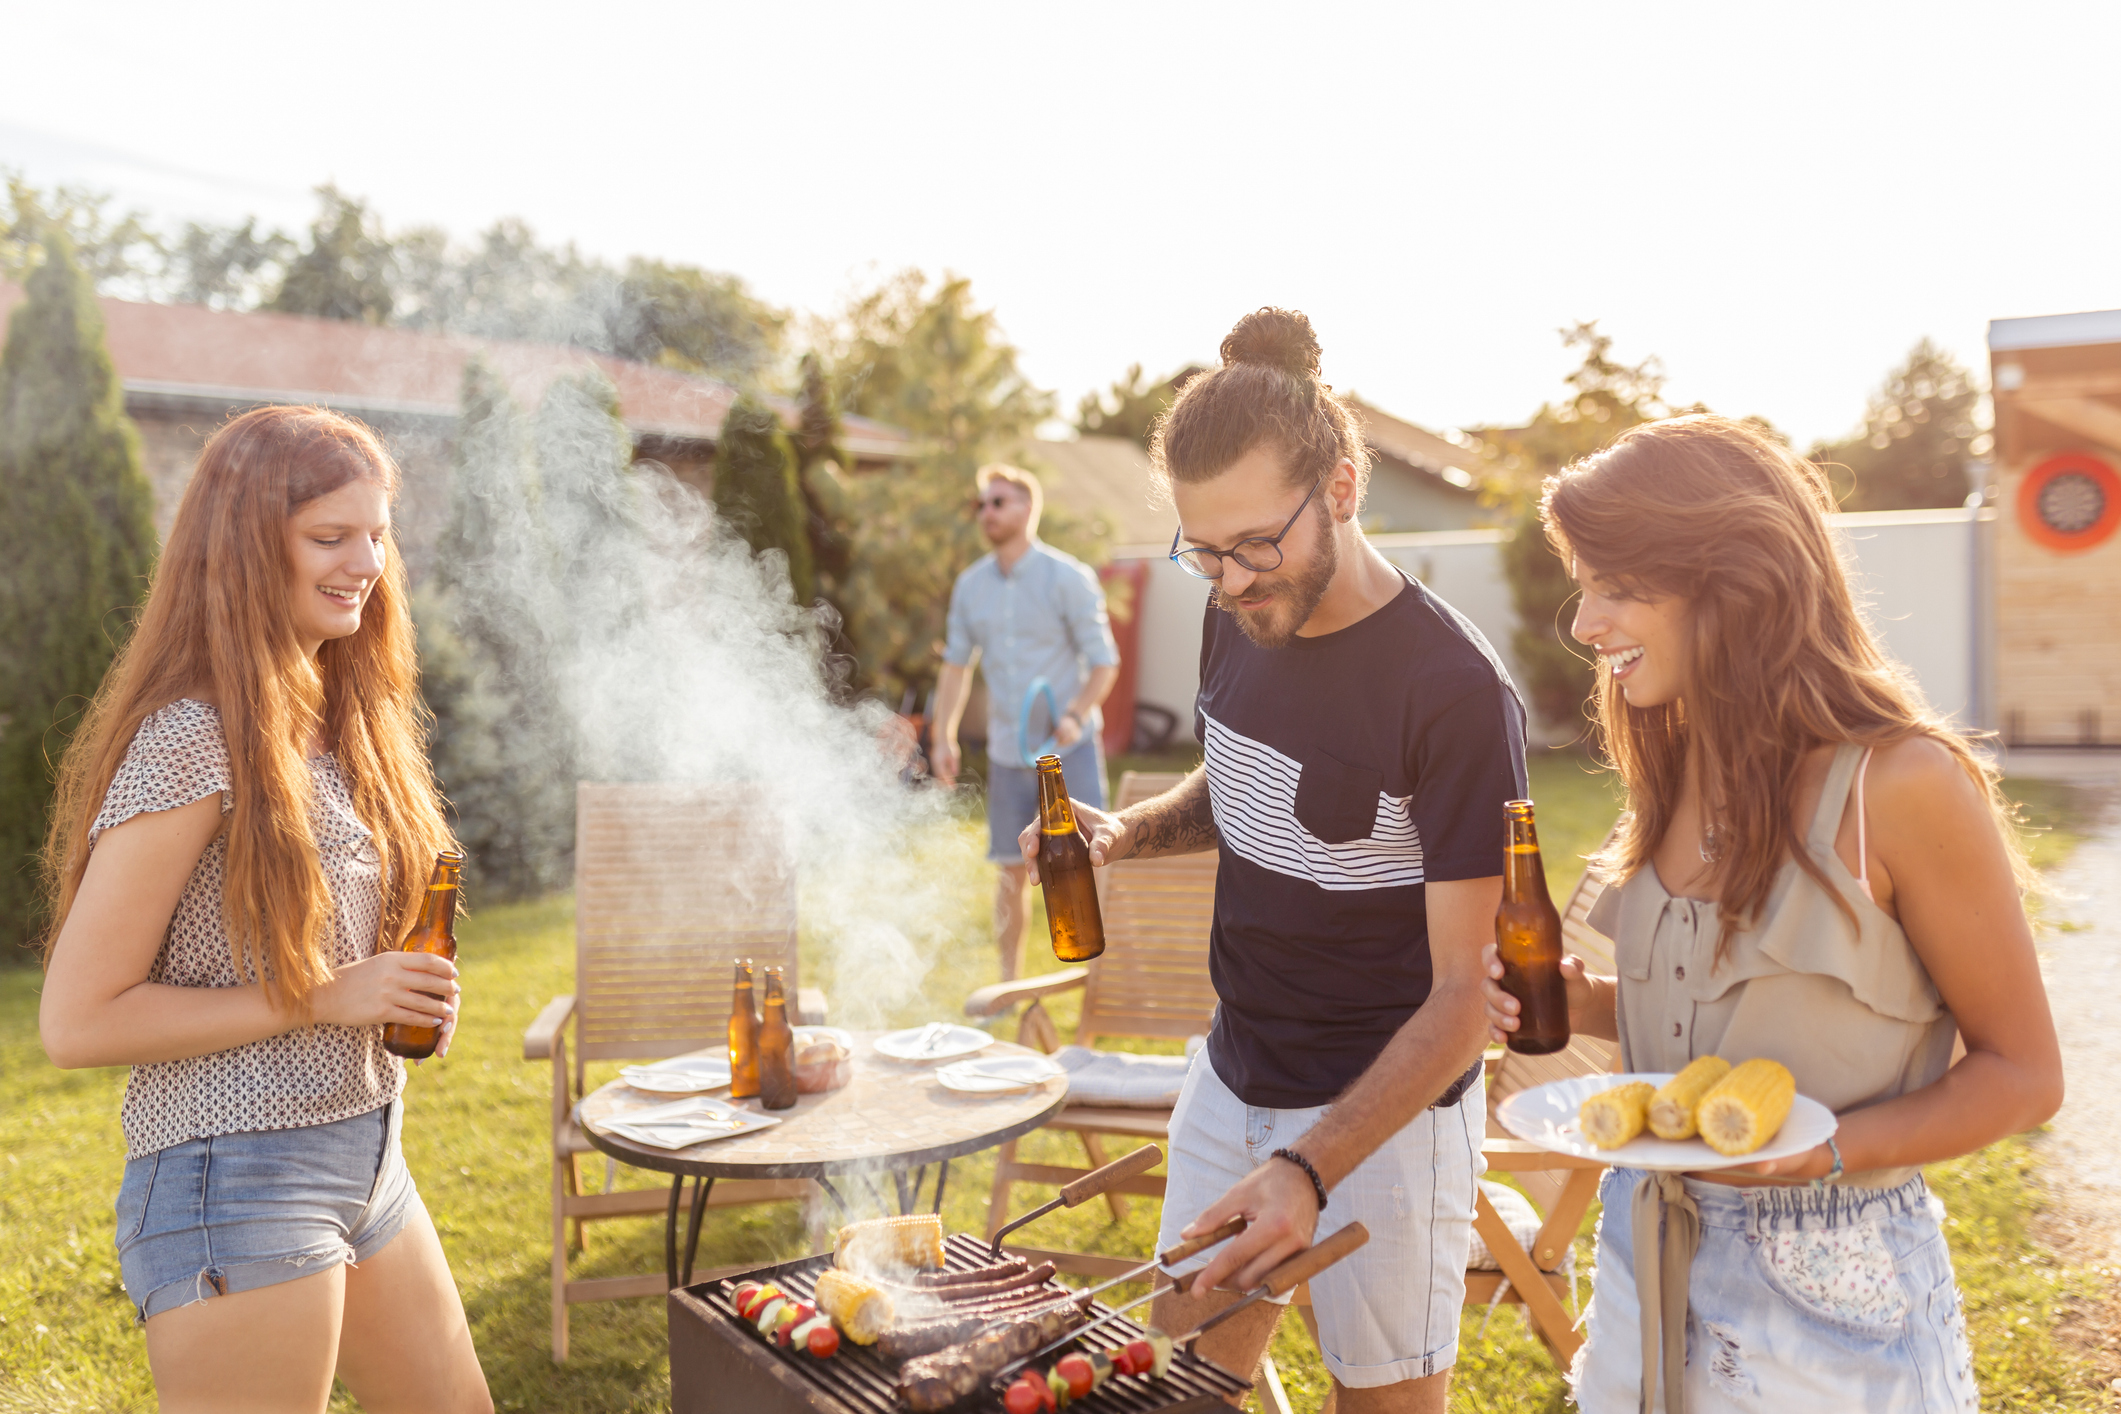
x: 1275, y: 338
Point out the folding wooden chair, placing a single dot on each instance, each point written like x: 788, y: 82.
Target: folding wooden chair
x: 1152, y: 981
x: 673, y: 883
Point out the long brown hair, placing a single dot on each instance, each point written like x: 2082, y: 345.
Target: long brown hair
x: 1718, y: 514
x: 1267, y: 391
x: 218, y: 622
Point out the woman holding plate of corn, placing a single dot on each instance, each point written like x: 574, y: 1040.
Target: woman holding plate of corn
x: 1814, y: 871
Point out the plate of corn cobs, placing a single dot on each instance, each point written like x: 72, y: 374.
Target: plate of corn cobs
x: 1712, y: 1115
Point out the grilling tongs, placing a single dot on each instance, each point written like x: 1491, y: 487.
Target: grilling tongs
x: 1090, y: 1185
x: 1279, y: 1282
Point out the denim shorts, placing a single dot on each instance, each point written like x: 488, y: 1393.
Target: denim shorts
x: 1801, y: 1298
x: 1389, y: 1310
x: 234, y: 1212
x: 1012, y: 796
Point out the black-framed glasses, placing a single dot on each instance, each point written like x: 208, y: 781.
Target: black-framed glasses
x: 1258, y: 554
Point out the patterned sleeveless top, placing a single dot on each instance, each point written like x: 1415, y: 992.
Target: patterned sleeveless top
x: 313, y: 1075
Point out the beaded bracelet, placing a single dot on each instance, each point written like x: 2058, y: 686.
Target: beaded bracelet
x: 1317, y: 1185
x: 1833, y: 1173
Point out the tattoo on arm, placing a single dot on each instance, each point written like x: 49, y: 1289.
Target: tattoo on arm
x: 1180, y: 821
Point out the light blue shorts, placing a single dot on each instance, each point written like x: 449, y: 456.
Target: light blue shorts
x: 234, y: 1212
x: 1840, y: 1298
x: 1012, y: 796
x: 1388, y: 1311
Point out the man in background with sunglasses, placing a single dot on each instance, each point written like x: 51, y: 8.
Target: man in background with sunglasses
x: 1036, y: 619
x: 1360, y: 739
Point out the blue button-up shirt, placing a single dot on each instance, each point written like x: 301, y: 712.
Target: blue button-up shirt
x: 1043, y: 619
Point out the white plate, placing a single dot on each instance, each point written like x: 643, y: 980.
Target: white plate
x: 992, y: 1075
x: 1545, y: 1115
x: 684, y: 1123
x: 826, y: 1033
x: 936, y: 1041
x: 693, y: 1074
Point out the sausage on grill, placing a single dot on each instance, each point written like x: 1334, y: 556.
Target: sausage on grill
x: 976, y: 1274
x: 967, y: 1292
x: 935, y: 1382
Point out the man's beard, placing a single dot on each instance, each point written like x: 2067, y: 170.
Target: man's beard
x: 1295, y: 598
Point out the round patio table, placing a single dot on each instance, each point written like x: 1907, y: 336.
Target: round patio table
x: 892, y: 1118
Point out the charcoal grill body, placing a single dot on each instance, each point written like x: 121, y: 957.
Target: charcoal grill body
x: 719, y: 1364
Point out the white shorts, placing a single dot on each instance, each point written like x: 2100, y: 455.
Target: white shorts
x: 1389, y: 1312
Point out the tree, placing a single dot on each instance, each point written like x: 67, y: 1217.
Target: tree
x: 1605, y: 398
x: 1128, y: 409
x: 693, y: 320
x: 755, y: 490
x: 485, y: 668
x: 226, y: 267
x: 112, y: 251
x: 347, y: 270
x: 1918, y: 435
x: 77, y: 538
x: 923, y: 356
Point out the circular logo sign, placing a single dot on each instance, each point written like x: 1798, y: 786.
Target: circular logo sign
x: 2070, y: 502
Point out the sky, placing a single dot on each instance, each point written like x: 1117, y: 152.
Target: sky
x: 1777, y: 202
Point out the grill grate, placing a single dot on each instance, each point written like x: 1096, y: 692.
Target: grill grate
x: 719, y: 1361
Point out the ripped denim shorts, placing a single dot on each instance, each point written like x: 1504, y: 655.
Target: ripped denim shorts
x: 1799, y: 1298
x: 234, y: 1212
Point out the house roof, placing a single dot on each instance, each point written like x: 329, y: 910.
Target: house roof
x: 1107, y: 476
x: 1417, y: 447
x: 193, y: 354
x: 2048, y: 331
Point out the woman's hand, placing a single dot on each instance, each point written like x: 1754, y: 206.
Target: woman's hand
x: 1503, y: 1008
x: 1816, y: 1162
x: 408, y: 988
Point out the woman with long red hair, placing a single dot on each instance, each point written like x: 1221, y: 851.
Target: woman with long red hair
x: 1813, y: 868
x: 243, y: 830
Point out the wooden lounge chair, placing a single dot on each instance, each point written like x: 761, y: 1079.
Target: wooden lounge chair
x: 672, y: 884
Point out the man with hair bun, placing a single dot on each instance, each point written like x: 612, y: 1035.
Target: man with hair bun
x: 1034, y: 616
x: 1361, y: 738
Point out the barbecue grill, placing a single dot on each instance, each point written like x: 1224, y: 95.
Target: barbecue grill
x: 719, y: 1364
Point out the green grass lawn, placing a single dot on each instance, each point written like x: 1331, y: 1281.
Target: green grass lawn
x: 476, y: 1139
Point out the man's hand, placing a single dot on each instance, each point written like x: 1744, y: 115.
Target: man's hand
x: 1111, y: 838
x: 1067, y: 731
x: 944, y: 759
x: 1281, y: 1217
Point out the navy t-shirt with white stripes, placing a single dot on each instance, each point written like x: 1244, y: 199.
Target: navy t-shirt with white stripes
x: 1346, y: 771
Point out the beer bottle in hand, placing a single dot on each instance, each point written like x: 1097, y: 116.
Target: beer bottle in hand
x: 743, y: 1036
x: 435, y: 932
x: 1064, y: 873
x: 1528, y: 938
x: 776, y: 1048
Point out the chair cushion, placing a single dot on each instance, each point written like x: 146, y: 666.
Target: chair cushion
x: 1517, y: 1214
x: 1121, y: 1080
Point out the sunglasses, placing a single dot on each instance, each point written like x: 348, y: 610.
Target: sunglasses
x: 994, y: 503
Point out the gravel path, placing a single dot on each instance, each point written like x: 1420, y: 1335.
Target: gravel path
x: 2081, y: 959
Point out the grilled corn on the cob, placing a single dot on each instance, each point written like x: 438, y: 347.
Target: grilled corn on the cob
x: 888, y: 1244
x: 1746, y: 1107
x: 861, y: 1310
x: 1612, y: 1117
x: 1672, y: 1107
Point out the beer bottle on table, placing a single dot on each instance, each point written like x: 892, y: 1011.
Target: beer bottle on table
x: 743, y: 1036
x: 776, y: 1048
x: 435, y: 932
x: 1528, y: 938
x: 1064, y: 874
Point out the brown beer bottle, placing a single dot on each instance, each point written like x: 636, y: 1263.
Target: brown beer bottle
x: 1528, y: 938
x: 1064, y: 873
x: 435, y: 932
x: 776, y: 1048
x: 743, y: 1036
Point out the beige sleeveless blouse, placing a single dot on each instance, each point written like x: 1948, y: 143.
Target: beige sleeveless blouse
x: 1850, y: 1010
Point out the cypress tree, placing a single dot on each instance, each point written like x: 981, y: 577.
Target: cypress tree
x: 77, y: 538
x: 755, y: 490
